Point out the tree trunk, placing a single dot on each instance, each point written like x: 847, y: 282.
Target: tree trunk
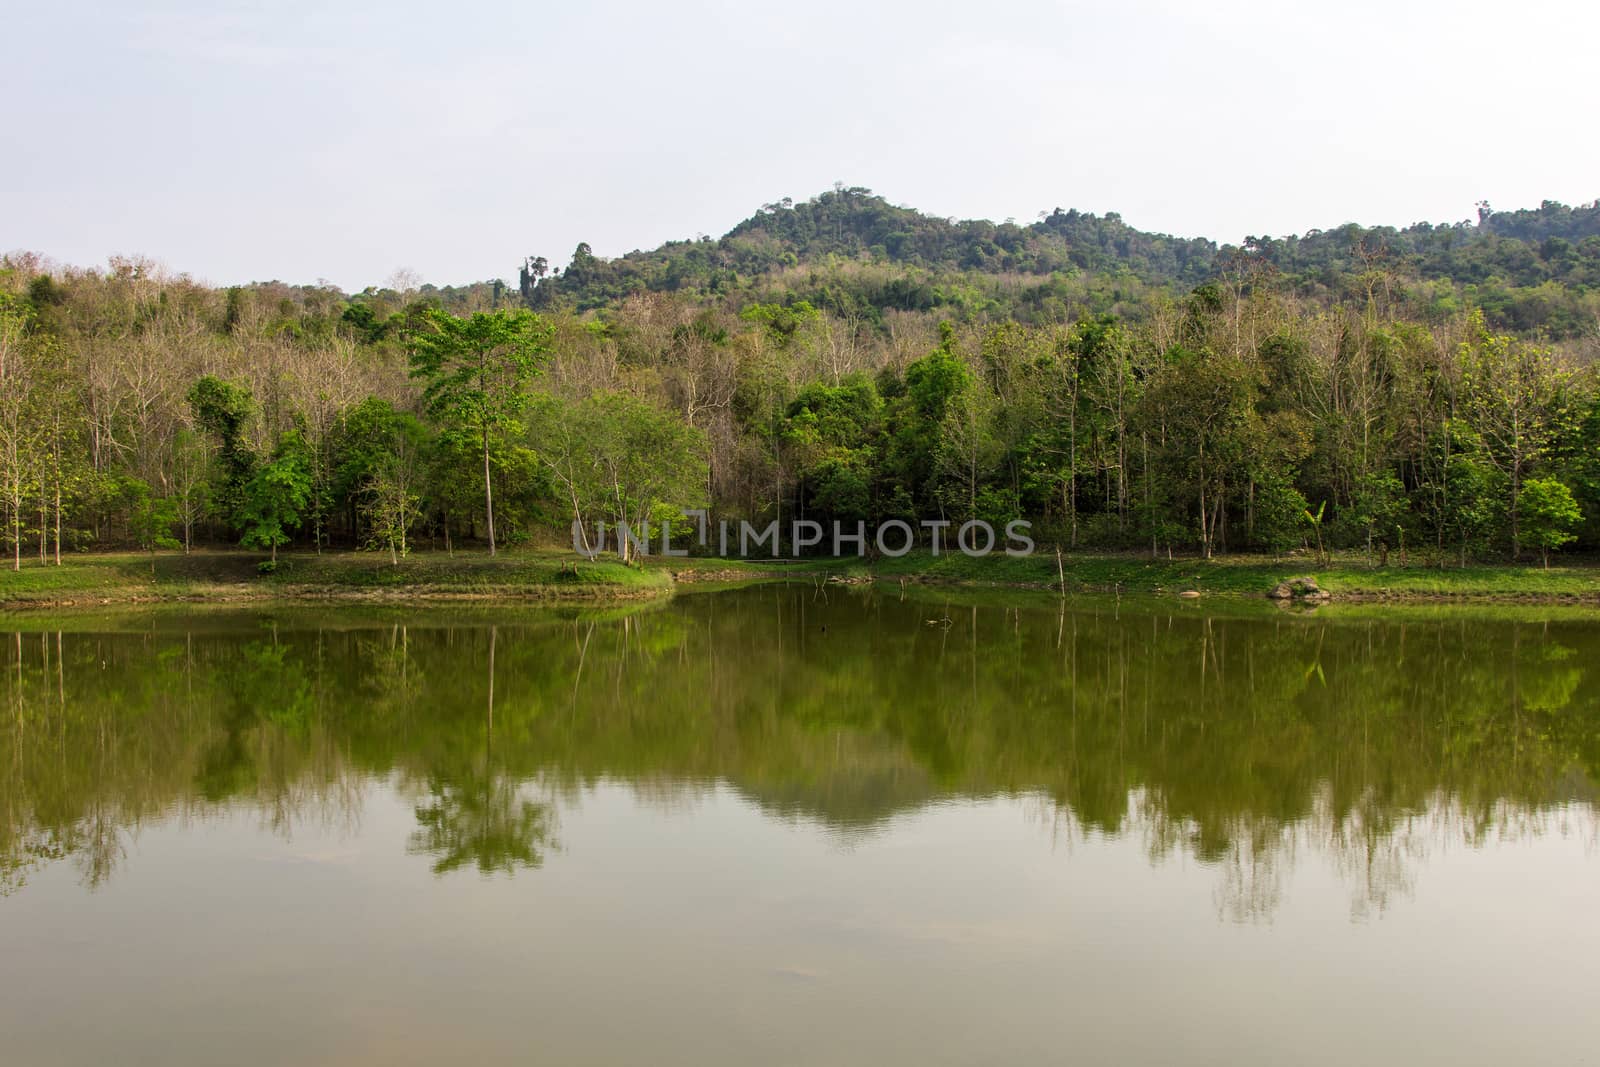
x: 1072, y: 467
x: 488, y: 491
x: 1516, y: 532
x: 1149, y: 510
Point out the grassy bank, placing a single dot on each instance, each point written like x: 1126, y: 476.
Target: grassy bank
x: 234, y: 576
x: 1345, y: 578
x: 542, y: 574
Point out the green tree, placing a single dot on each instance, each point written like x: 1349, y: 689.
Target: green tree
x: 20, y: 431
x: 829, y: 432
x: 1549, y: 515
x: 931, y: 384
x: 150, y: 517
x: 967, y: 450
x: 191, y: 464
x: 392, y: 498
x: 1049, y: 456
x: 1280, y: 515
x: 1378, y: 509
x: 1472, y: 501
x: 1516, y: 398
x: 650, y: 462
x: 616, y: 455
x: 276, y: 497
x: 477, y: 371
x: 223, y: 409
x: 1201, y: 407
x: 374, y: 443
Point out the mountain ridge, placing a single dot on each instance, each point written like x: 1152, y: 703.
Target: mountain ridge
x: 1495, y: 256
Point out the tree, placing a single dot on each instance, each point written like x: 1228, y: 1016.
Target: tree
x: 276, y: 497
x: 16, y: 445
x: 1103, y: 360
x: 1516, y: 398
x: 565, y: 439
x: 1472, y: 501
x: 1549, y: 515
x: 150, y: 517
x: 366, y: 439
x: 967, y: 449
x: 618, y: 455
x: 320, y: 399
x: 1280, y: 514
x: 1052, y: 451
x: 828, y: 431
x: 932, y: 383
x: 191, y: 490
x: 1378, y: 509
x: 1200, y: 405
x: 223, y: 409
x: 477, y: 370
x: 62, y: 470
x: 393, y: 493
x: 20, y: 432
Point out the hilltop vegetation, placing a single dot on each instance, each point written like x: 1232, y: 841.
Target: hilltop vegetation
x: 1420, y: 395
x: 854, y: 254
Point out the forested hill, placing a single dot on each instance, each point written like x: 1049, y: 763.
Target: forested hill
x: 851, y: 252
x: 1433, y: 390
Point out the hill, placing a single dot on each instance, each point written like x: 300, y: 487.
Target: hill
x: 851, y: 252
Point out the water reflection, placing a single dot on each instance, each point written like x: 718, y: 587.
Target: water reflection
x: 1249, y: 742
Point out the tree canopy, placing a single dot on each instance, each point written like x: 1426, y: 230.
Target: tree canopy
x: 1398, y: 392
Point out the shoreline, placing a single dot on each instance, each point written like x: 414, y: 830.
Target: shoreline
x: 531, y: 576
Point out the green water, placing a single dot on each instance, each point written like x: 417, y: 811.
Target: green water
x: 785, y: 825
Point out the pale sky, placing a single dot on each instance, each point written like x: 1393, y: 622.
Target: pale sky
x: 298, y: 141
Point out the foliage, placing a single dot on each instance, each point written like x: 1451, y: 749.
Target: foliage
x: 839, y: 358
x: 477, y: 371
x: 1280, y: 511
x: 151, y: 518
x: 621, y: 458
x: 1551, y: 515
x: 276, y: 497
x: 223, y: 410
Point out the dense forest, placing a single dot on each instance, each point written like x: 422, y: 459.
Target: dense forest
x: 1426, y: 394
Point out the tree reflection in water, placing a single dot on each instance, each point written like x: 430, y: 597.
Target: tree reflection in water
x: 1245, y: 738
x: 485, y: 822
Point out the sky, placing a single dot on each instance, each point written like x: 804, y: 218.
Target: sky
x: 344, y: 142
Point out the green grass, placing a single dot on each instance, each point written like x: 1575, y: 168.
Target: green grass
x: 225, y: 576
x: 530, y: 573
x: 1229, y: 576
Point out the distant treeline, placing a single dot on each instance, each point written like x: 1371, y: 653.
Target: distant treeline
x: 1370, y: 388
x: 853, y: 254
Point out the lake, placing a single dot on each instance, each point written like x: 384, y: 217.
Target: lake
x: 791, y: 824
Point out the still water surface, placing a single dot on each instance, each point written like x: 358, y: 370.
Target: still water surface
x: 784, y: 825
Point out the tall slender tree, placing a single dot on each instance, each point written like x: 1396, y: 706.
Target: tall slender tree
x: 477, y: 370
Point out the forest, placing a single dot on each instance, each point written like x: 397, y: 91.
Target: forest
x: 1426, y: 395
